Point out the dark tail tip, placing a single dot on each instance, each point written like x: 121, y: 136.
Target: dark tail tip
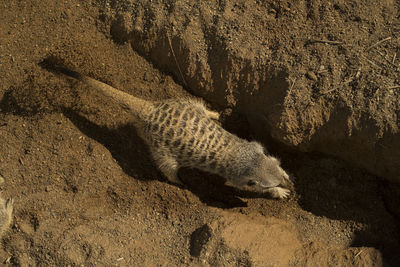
x: 57, y: 65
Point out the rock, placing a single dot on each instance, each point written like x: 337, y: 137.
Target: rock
x: 267, y: 241
x: 239, y: 240
x: 311, y: 75
x: 235, y: 239
x: 199, y: 239
x: 318, y: 254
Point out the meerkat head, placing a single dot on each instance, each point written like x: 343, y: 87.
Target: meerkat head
x: 265, y: 173
x: 255, y: 171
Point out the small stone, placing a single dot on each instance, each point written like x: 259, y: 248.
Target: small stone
x: 26, y: 228
x: 311, y: 75
x: 199, y: 240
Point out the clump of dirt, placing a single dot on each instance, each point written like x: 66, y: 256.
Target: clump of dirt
x: 246, y: 240
x: 86, y: 191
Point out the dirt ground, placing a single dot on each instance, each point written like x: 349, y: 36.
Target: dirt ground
x: 318, y: 76
x: 87, y: 193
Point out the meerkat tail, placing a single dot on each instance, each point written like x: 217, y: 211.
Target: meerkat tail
x: 134, y: 104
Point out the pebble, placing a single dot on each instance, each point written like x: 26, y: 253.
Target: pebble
x: 311, y: 75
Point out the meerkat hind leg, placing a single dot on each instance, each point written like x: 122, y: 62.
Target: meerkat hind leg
x: 172, y: 176
x: 169, y: 167
x: 212, y: 114
x: 209, y: 113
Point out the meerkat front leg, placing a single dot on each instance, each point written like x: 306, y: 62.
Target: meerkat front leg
x: 278, y: 192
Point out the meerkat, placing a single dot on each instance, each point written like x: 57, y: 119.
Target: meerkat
x: 184, y: 133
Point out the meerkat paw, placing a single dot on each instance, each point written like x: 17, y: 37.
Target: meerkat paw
x: 172, y: 176
x: 281, y: 193
x: 278, y: 192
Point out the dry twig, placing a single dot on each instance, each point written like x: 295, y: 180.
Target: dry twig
x: 292, y: 85
x: 358, y: 254
x: 371, y: 62
x: 378, y: 43
x: 176, y: 61
x: 327, y: 42
x: 387, y: 60
x: 347, y: 81
x: 328, y: 91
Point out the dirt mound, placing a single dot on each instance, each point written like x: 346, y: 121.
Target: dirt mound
x: 256, y: 241
x: 238, y: 240
x: 318, y: 76
x: 85, y: 189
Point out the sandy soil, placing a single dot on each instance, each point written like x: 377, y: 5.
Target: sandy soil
x: 87, y: 193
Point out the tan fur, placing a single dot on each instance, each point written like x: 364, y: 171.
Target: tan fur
x: 183, y: 133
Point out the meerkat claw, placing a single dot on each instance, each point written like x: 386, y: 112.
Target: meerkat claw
x: 278, y: 192
x: 282, y: 192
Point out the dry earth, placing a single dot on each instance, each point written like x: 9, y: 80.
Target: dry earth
x: 86, y: 192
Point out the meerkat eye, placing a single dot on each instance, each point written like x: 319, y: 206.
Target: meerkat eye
x: 251, y: 183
